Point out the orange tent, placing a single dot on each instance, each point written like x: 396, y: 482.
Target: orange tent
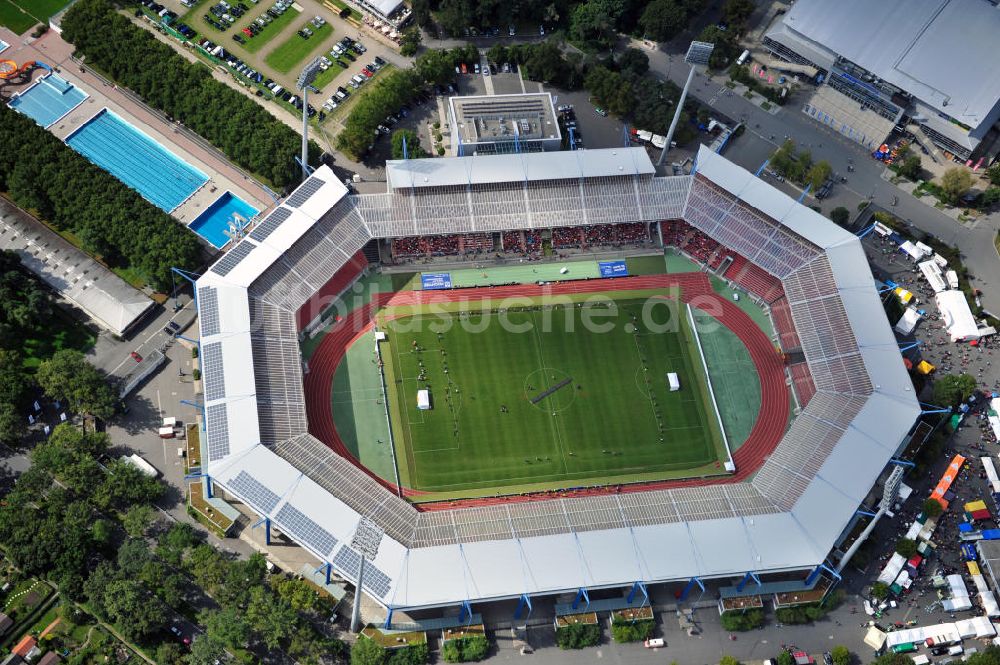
x: 950, y: 475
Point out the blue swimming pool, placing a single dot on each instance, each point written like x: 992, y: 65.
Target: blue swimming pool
x: 49, y: 99
x: 137, y: 160
x: 214, y: 222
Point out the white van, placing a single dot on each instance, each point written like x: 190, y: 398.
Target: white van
x: 654, y: 643
x: 743, y: 57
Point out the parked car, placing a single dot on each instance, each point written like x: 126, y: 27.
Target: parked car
x: 136, y: 357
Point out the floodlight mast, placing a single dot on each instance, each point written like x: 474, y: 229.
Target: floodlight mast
x: 367, y: 538
x: 303, y: 83
x: 697, y: 54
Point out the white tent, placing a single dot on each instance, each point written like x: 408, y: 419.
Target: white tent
x: 908, y: 322
x: 952, y: 278
x: 932, y: 273
x: 975, y: 627
x: 892, y: 568
x: 912, y: 250
x: 957, y: 316
x: 942, y: 633
x: 991, y: 470
x: 959, y: 595
x: 875, y: 638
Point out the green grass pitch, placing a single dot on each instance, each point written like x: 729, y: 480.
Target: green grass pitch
x: 490, y: 429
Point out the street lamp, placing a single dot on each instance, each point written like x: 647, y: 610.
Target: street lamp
x: 304, y: 83
x: 367, y: 538
x: 698, y: 54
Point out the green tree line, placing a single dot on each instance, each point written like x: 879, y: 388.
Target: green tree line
x: 242, y: 129
x: 41, y: 173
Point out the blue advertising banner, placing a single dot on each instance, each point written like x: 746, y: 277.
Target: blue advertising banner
x: 431, y: 281
x: 613, y: 269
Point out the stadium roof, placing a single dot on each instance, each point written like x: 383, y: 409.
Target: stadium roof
x: 786, y: 518
x: 492, y: 169
x: 939, y: 51
x: 104, y: 296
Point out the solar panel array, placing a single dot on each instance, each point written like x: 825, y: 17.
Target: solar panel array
x: 270, y: 223
x: 217, y: 430
x: 254, y: 492
x: 208, y: 306
x: 304, y: 192
x: 213, y: 371
x: 376, y: 581
x: 306, y: 530
x: 225, y: 265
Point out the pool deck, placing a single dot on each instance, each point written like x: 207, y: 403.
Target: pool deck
x: 223, y: 175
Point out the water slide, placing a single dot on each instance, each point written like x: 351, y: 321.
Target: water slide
x: 9, y: 69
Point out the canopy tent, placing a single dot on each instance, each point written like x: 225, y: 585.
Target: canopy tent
x: 932, y: 273
x: 924, y: 367
x: 875, y: 638
x: 913, y: 250
x: 957, y: 316
x: 950, y: 474
x: 959, y: 595
x: 892, y: 568
x: 904, y: 296
x: 908, y: 322
x: 991, y: 472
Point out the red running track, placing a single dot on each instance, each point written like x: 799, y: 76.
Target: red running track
x: 695, y: 289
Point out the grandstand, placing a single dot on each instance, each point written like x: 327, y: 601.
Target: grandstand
x: 783, y: 509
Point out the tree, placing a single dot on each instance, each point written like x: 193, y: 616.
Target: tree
x: 993, y: 173
x: 24, y: 306
x: 625, y: 631
x: 227, y: 626
x: 955, y: 182
x: 662, y: 19
x: 633, y: 61
x: 170, y: 653
x: 841, y: 655
x: 409, y: 42
x: 578, y: 636
x: 906, y: 547
x: 592, y: 22
x: 879, y: 590
x: 69, y: 378
x: 129, y: 606
x: 737, y: 12
x: 206, y: 651
x: 910, y: 167
x: 124, y: 486
x: 465, y: 650
x: 785, y: 658
x: 818, y: 174
x: 840, y: 216
x: 271, y: 617
x: 137, y: 520
x: 367, y: 652
x: 953, y: 389
x: 932, y: 507
x: 413, y: 148
x: 175, y: 541
x: 729, y: 660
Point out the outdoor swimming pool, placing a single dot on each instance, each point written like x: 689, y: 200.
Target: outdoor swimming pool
x: 49, y: 99
x: 137, y: 160
x: 214, y: 222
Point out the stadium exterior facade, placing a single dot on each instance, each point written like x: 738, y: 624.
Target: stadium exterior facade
x: 930, y: 60
x: 786, y: 518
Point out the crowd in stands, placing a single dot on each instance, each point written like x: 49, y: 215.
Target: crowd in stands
x: 597, y: 235
x: 565, y: 237
x: 407, y: 247
x: 476, y: 242
x: 532, y: 242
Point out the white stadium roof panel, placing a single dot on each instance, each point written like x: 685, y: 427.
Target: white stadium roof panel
x: 489, y: 169
x: 496, y: 565
x: 445, y: 557
x: 605, y: 557
x: 655, y: 541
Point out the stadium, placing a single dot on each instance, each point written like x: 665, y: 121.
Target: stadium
x: 469, y: 463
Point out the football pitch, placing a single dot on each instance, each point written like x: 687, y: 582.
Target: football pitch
x: 547, y: 396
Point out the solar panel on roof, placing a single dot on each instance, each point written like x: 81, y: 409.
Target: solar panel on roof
x: 208, y: 304
x: 302, y: 194
x: 213, y: 371
x: 306, y: 530
x: 226, y: 264
x: 217, y: 430
x: 376, y: 581
x: 270, y: 224
x: 251, y: 489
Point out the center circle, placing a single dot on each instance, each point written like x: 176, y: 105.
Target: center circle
x: 547, y: 378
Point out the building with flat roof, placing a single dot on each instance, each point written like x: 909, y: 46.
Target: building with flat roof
x: 491, y: 124
x: 106, y: 298
x: 928, y: 65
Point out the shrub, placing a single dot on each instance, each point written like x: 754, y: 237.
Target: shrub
x: 740, y: 621
x: 578, y: 636
x: 465, y: 649
x: 631, y: 631
x: 415, y: 654
x: 194, y: 351
x: 196, y: 374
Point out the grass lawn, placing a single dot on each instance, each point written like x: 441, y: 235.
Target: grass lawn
x: 65, y: 332
x: 323, y: 79
x: 295, y: 49
x: 205, y: 513
x: 19, y: 15
x: 349, y: 103
x: 555, y: 404
x: 272, y: 30
x: 394, y: 639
